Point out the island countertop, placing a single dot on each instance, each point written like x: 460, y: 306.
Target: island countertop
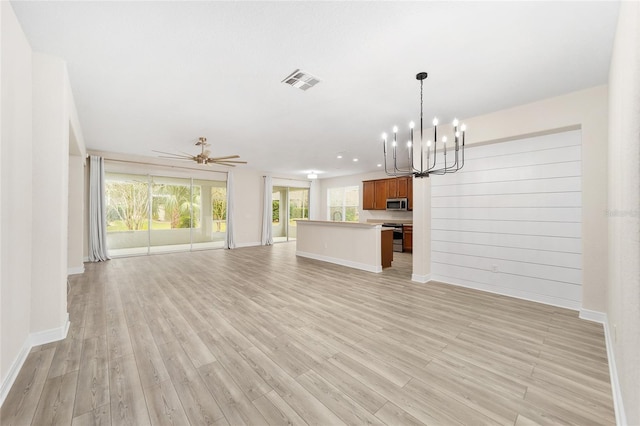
x: 346, y: 224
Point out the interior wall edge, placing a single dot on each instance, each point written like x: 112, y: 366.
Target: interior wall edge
x: 13, y: 371
x: 551, y: 131
x: 616, y: 389
x: 33, y: 339
x: 75, y: 271
x: 421, y: 279
x: 601, y: 318
x: 595, y: 316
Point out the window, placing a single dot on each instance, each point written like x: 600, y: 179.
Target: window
x: 343, y: 204
x: 156, y: 214
x: 219, y: 208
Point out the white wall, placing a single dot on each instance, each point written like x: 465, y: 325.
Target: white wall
x: 586, y: 110
x: 50, y: 194
x: 16, y: 184
x: 37, y: 113
x: 624, y: 208
x: 75, y: 238
x: 509, y: 222
x: 77, y: 176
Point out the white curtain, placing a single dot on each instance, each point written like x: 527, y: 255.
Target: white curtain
x: 267, y: 212
x: 97, y: 214
x: 230, y: 241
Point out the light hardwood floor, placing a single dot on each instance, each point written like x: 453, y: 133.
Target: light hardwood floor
x: 258, y: 336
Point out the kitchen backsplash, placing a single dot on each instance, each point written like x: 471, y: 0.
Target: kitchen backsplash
x: 366, y: 215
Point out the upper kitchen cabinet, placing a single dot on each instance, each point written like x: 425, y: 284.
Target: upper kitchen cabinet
x: 398, y: 187
x: 368, y: 195
x: 381, y: 194
x: 376, y: 192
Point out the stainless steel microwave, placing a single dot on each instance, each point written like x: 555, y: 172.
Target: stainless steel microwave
x: 397, y: 204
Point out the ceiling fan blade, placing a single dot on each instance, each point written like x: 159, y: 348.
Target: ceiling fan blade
x: 224, y: 158
x: 176, y: 158
x: 229, y: 161
x: 183, y: 155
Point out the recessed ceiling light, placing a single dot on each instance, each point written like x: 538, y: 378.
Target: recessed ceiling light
x: 339, y: 156
x: 379, y: 165
x: 355, y: 159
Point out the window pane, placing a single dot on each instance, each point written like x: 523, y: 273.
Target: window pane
x: 351, y: 214
x: 127, y: 206
x: 279, y: 229
x: 211, y: 199
x: 170, y: 214
x: 298, y: 209
x: 343, y: 203
x: 336, y: 196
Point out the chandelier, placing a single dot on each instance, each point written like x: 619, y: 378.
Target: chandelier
x: 429, y: 162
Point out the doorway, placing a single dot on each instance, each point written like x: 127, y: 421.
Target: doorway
x: 289, y: 204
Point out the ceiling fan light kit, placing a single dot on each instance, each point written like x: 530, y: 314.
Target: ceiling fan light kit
x: 431, y: 165
x: 203, y: 157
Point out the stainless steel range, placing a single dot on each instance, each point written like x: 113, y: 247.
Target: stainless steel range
x: 398, y: 235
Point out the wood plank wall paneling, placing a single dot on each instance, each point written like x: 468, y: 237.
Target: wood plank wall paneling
x: 510, y: 221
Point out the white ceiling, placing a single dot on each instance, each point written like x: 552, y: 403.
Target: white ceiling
x: 157, y: 75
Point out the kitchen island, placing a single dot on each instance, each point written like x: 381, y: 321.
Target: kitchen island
x: 356, y: 245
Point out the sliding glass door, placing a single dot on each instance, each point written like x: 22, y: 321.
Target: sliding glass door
x: 173, y: 214
x: 156, y: 214
x: 210, y: 197
x: 298, y: 209
x: 289, y: 204
x: 127, y: 205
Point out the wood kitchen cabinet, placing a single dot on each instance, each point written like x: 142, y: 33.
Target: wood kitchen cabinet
x: 398, y: 187
x: 381, y: 194
x: 369, y: 195
x: 407, y: 238
x: 386, y: 239
x: 402, y: 185
x: 376, y: 192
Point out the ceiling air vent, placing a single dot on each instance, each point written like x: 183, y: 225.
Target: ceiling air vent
x: 301, y: 79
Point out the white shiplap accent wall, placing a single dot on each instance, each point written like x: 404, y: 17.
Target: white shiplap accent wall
x: 510, y: 221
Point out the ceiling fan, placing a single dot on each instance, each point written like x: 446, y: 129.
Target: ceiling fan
x: 203, y: 157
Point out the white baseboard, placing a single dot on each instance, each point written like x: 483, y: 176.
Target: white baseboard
x: 75, y: 270
x: 86, y: 259
x: 348, y: 263
x: 595, y: 316
x: 601, y: 317
x: 12, y: 374
x: 253, y: 244
x: 518, y: 294
x: 52, y: 335
x: 421, y: 278
x: 33, y: 339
